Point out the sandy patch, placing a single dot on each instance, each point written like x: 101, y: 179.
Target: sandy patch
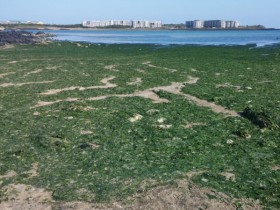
x: 36, y: 113
x: 33, y: 172
x: 135, y: 81
x: 191, y: 125
x: 229, y: 141
x: 106, y: 84
x: 87, y: 108
x: 163, y: 126
x: 33, y: 72
x: 194, y: 70
x: 135, y: 118
x: 148, y: 94
x: 12, y: 62
x: 228, y: 85
x: 45, y: 103
x: 174, y: 88
x: 8, y: 46
x: 9, y: 174
x: 75, y: 206
x: 140, y: 71
x: 83, y: 132
x: 85, y: 194
x: 48, y: 103
x: 276, y: 168
x: 69, y: 118
x: 229, y: 176
x: 21, y: 196
x: 152, y: 111
x: 192, y: 80
x: 82, y: 108
x: 187, y: 196
x: 149, y: 64
x: 161, y: 120
x: 192, y: 174
x: 53, y: 67
x: 214, y: 107
x: 94, y: 146
x: 97, y: 98
x: 6, y: 74
x: 25, y: 83
x: 183, y: 195
x: 111, y: 67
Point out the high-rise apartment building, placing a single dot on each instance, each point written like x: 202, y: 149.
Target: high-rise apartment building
x: 125, y: 23
x: 196, y: 24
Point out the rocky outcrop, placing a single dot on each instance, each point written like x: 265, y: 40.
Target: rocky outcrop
x: 22, y: 37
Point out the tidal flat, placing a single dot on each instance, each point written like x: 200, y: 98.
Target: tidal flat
x: 139, y: 126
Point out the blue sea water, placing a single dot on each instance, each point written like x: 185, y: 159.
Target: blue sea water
x: 167, y: 37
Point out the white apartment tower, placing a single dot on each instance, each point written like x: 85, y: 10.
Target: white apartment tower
x: 196, y: 24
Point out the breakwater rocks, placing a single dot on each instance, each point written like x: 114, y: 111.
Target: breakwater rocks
x: 22, y: 37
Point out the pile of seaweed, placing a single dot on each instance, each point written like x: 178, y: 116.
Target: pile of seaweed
x: 262, y: 118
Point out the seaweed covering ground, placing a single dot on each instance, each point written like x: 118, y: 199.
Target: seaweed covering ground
x: 110, y: 124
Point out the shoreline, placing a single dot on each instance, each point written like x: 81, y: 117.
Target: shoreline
x: 138, y: 29
x: 36, y: 36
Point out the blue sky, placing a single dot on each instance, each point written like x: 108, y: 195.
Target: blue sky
x: 248, y: 12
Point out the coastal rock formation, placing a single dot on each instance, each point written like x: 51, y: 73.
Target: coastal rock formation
x: 21, y: 37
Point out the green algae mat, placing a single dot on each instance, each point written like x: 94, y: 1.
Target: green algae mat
x: 110, y: 124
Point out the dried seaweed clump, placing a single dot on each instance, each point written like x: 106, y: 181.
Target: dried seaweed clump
x: 260, y: 118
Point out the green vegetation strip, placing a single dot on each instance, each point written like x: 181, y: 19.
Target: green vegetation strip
x: 109, y: 147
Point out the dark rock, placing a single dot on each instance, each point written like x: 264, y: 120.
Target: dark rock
x: 260, y: 118
x: 84, y: 146
x: 21, y: 37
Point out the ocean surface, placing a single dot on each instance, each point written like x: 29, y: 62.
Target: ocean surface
x: 168, y: 37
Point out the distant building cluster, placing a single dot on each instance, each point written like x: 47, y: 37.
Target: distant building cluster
x: 14, y: 22
x: 123, y: 23
x: 212, y: 24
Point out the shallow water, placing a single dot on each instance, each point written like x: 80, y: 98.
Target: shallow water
x: 167, y: 37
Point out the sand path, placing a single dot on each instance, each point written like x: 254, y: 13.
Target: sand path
x: 148, y: 63
x: 8, y: 46
x: 186, y: 195
x: 24, y: 83
x: 174, y: 88
x: 105, y: 81
x: 6, y: 74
